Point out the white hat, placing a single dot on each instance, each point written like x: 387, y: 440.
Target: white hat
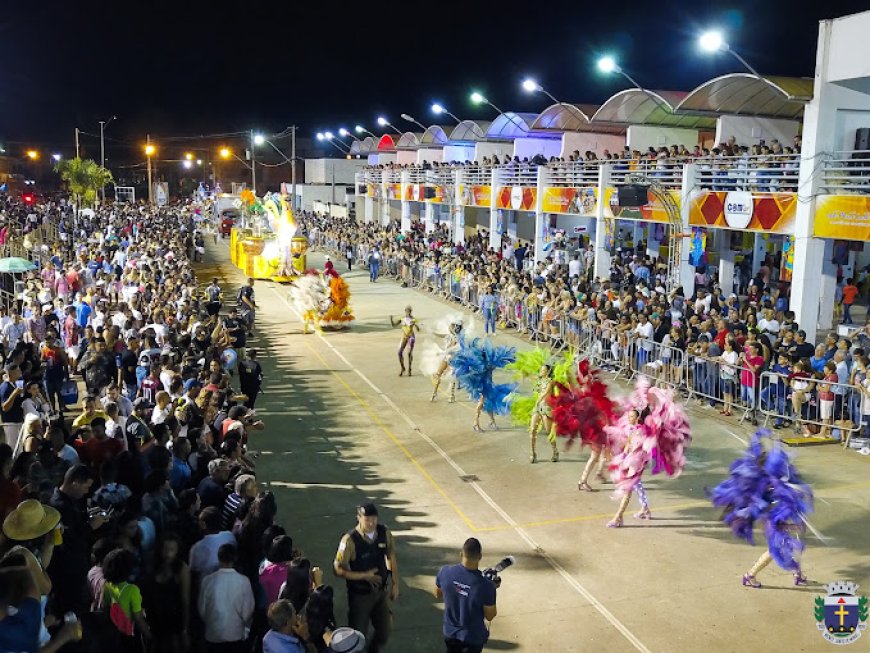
x: 347, y: 640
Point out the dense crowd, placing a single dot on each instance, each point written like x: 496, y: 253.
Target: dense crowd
x: 714, y: 345
x: 133, y: 518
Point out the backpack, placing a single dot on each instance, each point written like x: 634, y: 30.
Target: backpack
x: 118, y: 617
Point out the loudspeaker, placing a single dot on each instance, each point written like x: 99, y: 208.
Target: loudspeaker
x: 632, y: 196
x: 361, y: 189
x: 862, y: 139
x: 429, y: 192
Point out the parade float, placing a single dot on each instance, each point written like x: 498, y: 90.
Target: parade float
x: 264, y: 244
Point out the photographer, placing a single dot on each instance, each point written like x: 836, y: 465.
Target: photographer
x: 469, y: 598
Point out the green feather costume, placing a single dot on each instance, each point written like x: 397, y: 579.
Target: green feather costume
x: 526, y: 367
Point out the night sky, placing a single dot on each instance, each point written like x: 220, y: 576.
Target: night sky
x: 189, y: 68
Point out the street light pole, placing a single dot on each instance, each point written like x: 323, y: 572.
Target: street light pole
x: 293, y: 164
x: 103, y: 125
x: 77, y: 143
x: 148, y: 159
x: 253, y: 166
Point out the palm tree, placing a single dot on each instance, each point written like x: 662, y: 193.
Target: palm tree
x: 84, y: 178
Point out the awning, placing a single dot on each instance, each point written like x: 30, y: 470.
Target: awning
x: 470, y: 130
x: 434, y: 135
x: 510, y: 125
x: 635, y: 106
x: 746, y: 94
x: 408, y: 141
x: 386, y: 142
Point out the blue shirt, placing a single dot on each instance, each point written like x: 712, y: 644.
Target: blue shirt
x: 781, y: 369
x: 818, y: 364
x: 179, y: 475
x: 275, y: 642
x: 465, y: 591
x: 83, y: 314
x: 20, y: 632
x: 487, y: 302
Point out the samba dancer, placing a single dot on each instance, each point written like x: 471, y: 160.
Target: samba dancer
x: 409, y: 330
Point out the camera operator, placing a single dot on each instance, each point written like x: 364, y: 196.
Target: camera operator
x: 469, y: 598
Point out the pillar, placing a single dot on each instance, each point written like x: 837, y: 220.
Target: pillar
x: 828, y: 287
x: 457, y: 209
x: 602, y: 253
x: 429, y: 217
x: 759, y: 251
x: 541, y: 228
x: 726, y: 261
x: 495, y: 225
x: 652, y: 246
x: 369, y: 209
x: 687, y: 270
x: 405, y: 205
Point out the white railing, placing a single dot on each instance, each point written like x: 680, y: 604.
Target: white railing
x: 573, y: 173
x: 846, y: 172
x: 518, y: 174
x: 773, y: 173
x: 477, y: 175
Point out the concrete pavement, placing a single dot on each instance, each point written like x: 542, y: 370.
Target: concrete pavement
x: 342, y: 428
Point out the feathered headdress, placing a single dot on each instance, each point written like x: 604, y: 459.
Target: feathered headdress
x: 473, y: 365
x: 581, y: 407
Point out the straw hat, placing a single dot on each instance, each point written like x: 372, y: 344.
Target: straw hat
x: 30, y: 520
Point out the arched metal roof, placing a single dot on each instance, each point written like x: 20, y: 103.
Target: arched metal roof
x: 470, y: 130
x: 510, y: 124
x: 386, y: 143
x: 434, y: 135
x: 746, y: 94
x: 366, y: 145
x: 564, y: 117
x: 635, y: 106
x: 407, y: 141
x: 356, y: 147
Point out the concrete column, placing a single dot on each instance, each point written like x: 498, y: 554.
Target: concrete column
x: 759, y: 251
x: 369, y: 209
x: 687, y: 270
x: 405, y: 204
x: 602, y: 254
x: 726, y: 261
x: 458, y: 210
x: 652, y: 246
x: 828, y: 287
x: 541, y: 229
x: 495, y: 226
x: 510, y: 222
x: 429, y: 217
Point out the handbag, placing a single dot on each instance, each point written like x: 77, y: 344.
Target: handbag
x: 118, y: 617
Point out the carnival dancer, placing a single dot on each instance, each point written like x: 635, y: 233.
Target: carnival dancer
x: 764, y: 486
x: 653, y: 428
x: 534, y: 411
x: 435, y: 360
x: 337, y: 314
x: 410, y: 328
x: 581, y: 411
x: 473, y: 366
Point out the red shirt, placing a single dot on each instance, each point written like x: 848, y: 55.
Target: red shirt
x: 849, y: 294
x: 828, y: 395
x: 95, y: 452
x: 748, y: 377
x: 721, y: 337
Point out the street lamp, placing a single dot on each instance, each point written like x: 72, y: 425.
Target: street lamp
x: 346, y: 134
x: 259, y: 139
x: 56, y: 157
x: 225, y: 153
x: 607, y: 64
x: 359, y: 129
x: 383, y: 122
x: 329, y: 138
x: 531, y: 86
x: 478, y: 98
x: 103, y: 125
x: 188, y: 156
x: 187, y: 163
x: 713, y: 41
x: 438, y: 109
x: 150, y: 150
x: 33, y: 155
x: 409, y: 118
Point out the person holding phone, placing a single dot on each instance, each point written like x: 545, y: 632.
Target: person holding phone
x: 11, y: 402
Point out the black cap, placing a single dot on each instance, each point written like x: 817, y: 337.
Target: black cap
x: 367, y: 510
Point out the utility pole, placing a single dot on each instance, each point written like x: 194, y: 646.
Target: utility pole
x: 148, y: 159
x: 77, y: 143
x: 293, y: 164
x: 253, y: 166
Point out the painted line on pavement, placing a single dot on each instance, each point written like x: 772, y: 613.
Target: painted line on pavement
x: 512, y: 524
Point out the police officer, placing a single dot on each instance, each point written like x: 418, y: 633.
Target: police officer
x: 366, y: 559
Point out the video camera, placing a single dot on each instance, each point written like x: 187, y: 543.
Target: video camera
x: 492, y: 573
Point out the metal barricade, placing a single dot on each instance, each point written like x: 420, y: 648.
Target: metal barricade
x: 711, y: 381
x: 664, y: 364
x: 811, y: 406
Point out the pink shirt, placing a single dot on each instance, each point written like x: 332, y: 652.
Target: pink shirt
x: 747, y: 378
x: 272, y: 576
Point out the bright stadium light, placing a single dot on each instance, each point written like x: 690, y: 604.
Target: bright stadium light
x: 259, y: 139
x: 530, y: 85
x: 477, y: 98
x: 438, y: 109
x: 712, y: 41
x: 608, y: 65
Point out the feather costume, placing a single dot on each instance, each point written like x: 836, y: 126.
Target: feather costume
x: 527, y: 366
x: 581, y: 408
x: 338, y: 314
x: 659, y: 438
x: 433, y: 354
x: 764, y: 485
x: 473, y: 365
x: 309, y: 294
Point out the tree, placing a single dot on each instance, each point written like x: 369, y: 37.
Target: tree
x: 84, y: 178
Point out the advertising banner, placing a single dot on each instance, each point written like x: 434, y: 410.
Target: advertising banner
x: 744, y: 211
x: 842, y: 216
x: 516, y: 198
x: 476, y: 195
x: 434, y: 194
x: 652, y: 211
x: 394, y: 191
x: 573, y: 200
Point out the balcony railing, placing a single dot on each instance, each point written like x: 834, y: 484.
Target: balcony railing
x: 573, y: 173
x: 518, y: 174
x: 846, y: 173
x: 477, y: 175
x: 774, y: 173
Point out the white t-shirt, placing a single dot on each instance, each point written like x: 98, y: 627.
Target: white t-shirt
x: 768, y: 326
x: 645, y: 331
x: 574, y: 268
x: 730, y: 359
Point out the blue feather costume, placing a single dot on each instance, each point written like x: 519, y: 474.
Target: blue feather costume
x: 765, y: 486
x: 473, y: 366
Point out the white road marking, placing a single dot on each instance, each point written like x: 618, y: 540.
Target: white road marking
x: 735, y: 436
x: 536, y: 548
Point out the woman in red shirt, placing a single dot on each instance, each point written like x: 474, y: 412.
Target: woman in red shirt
x: 826, y: 397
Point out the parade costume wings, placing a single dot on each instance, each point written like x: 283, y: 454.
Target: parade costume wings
x: 581, y: 408
x: 309, y: 294
x: 659, y: 438
x: 433, y: 353
x: 338, y: 314
x: 764, y: 485
x: 473, y: 365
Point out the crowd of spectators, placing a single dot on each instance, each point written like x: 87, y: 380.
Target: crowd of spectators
x: 133, y: 520
x: 715, y: 345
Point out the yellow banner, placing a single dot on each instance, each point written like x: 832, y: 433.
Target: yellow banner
x: 573, y: 200
x: 845, y: 217
x: 516, y: 198
x: 476, y: 195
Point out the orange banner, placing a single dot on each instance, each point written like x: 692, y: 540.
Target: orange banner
x: 434, y: 194
x: 394, y: 191
x: 845, y: 217
x: 372, y: 190
x: 573, y: 200
x: 652, y: 211
x: 476, y: 195
x: 516, y: 198
x: 744, y: 211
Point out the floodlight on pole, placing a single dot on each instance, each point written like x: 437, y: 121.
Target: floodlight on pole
x: 259, y: 139
x: 359, y: 129
x: 410, y: 118
x: 608, y: 65
x: 383, y: 122
x: 56, y: 157
x: 344, y: 133
x: 33, y: 155
x: 713, y: 41
x: 225, y: 153
x: 531, y: 86
x: 187, y: 164
x: 438, y: 109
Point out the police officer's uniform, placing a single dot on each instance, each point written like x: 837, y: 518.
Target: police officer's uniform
x: 367, y: 601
